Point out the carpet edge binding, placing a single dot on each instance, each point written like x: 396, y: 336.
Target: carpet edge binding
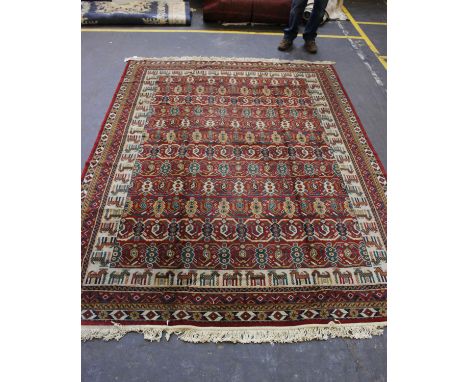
x: 212, y: 58
x: 244, y: 335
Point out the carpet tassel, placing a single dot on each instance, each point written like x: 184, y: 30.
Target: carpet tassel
x: 236, y: 335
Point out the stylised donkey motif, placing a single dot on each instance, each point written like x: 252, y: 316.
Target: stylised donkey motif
x: 300, y: 277
x: 97, y: 277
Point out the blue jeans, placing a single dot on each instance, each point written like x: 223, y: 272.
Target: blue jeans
x: 295, y: 18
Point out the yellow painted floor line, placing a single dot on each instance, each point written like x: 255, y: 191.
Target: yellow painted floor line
x: 383, y: 61
x: 364, y: 36
x: 371, y: 23
x: 144, y: 30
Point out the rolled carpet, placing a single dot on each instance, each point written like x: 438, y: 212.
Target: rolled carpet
x: 236, y: 11
x: 262, y: 11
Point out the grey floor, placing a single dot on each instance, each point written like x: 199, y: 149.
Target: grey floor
x: 364, y: 78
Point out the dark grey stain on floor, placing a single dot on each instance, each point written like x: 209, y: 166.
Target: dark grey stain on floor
x: 132, y: 358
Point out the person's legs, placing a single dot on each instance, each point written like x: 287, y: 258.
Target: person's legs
x: 295, y: 18
x: 310, y: 31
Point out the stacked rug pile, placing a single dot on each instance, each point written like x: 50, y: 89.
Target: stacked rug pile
x: 135, y: 12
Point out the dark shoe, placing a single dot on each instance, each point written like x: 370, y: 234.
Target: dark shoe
x: 285, y: 45
x: 311, y: 46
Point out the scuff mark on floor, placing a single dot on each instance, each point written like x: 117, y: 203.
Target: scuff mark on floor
x: 362, y: 56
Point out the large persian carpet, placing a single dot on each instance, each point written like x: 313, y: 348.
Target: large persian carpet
x: 233, y: 200
x: 136, y: 12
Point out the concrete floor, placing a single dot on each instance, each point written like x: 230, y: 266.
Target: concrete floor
x: 364, y: 78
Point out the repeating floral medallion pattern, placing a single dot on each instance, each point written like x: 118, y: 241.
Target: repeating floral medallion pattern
x: 232, y: 193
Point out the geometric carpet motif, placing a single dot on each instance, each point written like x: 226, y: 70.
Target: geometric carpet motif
x: 233, y: 200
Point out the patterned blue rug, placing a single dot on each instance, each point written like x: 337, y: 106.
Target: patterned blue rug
x: 136, y: 12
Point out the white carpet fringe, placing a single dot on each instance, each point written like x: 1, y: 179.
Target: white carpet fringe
x: 244, y: 335
x: 236, y: 59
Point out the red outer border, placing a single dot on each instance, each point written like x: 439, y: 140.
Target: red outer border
x: 98, y: 138
x: 364, y: 132
x: 242, y: 324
